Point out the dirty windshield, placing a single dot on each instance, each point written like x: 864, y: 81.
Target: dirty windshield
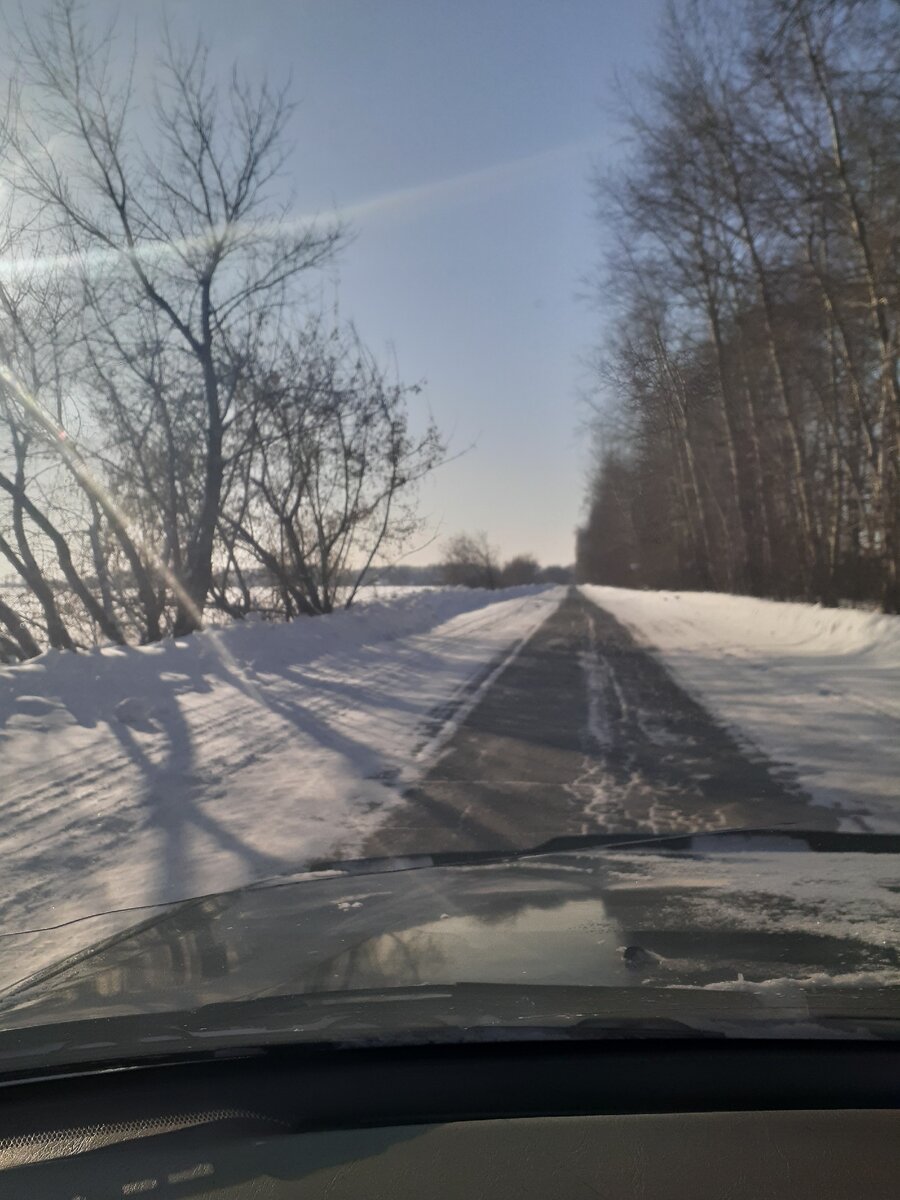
x: 449, y: 520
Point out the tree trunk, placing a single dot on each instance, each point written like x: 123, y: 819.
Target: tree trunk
x: 810, y: 543
x: 19, y: 632
x: 746, y: 549
x: 95, y: 610
x: 198, y: 565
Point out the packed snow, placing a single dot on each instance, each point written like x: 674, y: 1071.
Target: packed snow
x: 142, y: 775
x: 817, y: 689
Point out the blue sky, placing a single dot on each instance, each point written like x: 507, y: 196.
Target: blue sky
x: 458, y: 136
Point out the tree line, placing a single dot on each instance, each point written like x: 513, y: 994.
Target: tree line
x: 181, y: 427
x: 748, y: 409
x: 470, y: 560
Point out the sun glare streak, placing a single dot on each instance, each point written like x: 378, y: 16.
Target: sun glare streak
x: 461, y: 186
x: 91, y: 484
x: 386, y: 205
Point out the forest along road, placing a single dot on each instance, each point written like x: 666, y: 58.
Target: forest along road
x: 586, y: 732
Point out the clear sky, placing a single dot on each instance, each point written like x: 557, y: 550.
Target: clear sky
x: 458, y: 136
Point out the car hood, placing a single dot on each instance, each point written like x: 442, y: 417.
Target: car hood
x: 787, y: 921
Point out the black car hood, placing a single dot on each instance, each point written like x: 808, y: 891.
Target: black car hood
x: 622, y: 931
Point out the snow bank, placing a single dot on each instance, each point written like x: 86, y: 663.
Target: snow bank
x: 141, y: 775
x: 817, y: 688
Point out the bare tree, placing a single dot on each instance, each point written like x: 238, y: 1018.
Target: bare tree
x: 179, y: 240
x: 167, y: 437
x: 520, y: 570
x: 470, y: 561
x: 328, y: 475
x: 43, y: 530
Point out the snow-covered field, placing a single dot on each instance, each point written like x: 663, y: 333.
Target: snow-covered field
x: 135, y: 776
x: 817, y: 688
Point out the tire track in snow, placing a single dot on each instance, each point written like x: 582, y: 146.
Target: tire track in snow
x: 583, y: 731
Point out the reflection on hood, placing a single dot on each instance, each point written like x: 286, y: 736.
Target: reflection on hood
x: 736, y: 913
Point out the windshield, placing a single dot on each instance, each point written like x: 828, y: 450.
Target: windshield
x: 449, y: 521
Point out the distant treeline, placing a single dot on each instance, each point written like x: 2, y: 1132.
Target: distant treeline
x: 748, y: 404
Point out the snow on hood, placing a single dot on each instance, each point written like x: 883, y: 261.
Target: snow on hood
x: 764, y: 920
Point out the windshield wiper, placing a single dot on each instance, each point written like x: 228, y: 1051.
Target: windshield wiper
x: 821, y: 841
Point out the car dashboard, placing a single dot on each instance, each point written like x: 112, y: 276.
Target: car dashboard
x: 649, y: 1118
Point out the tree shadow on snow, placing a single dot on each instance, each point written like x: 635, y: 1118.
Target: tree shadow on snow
x: 173, y: 800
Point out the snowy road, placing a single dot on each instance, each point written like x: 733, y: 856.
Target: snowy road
x: 585, y: 731
x: 147, y: 775
x: 432, y: 721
